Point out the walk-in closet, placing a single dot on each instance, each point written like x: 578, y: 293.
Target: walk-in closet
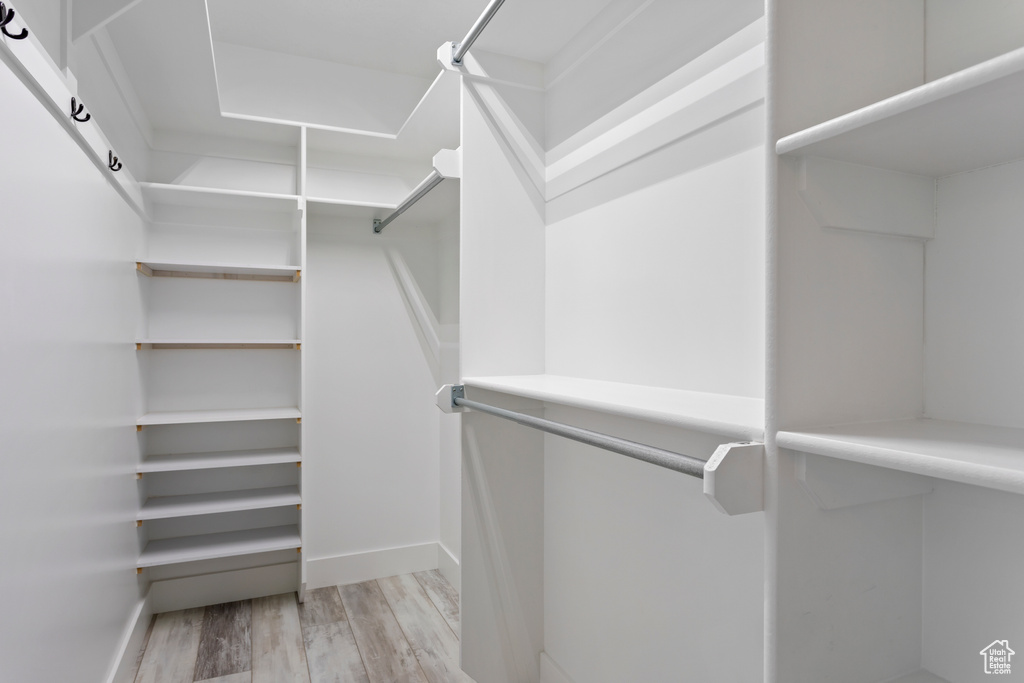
x: 511, y: 341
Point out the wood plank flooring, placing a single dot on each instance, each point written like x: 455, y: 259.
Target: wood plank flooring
x: 402, y: 629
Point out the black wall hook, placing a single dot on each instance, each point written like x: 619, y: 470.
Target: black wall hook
x: 76, y: 111
x: 6, y: 15
x: 112, y: 163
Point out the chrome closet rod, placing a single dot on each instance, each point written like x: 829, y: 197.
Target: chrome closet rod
x: 428, y: 184
x: 459, y: 50
x: 656, y: 456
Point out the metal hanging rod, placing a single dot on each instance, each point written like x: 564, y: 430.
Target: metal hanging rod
x: 459, y: 50
x: 656, y: 456
x: 428, y: 184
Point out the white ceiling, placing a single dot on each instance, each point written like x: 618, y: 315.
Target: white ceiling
x: 166, y: 50
x: 401, y: 36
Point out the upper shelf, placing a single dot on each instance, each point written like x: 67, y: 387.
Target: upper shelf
x: 736, y: 417
x: 967, y: 120
x: 214, y: 198
x: 219, y: 271
x: 992, y: 457
x: 199, y: 416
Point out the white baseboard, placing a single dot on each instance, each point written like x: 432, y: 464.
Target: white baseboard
x: 211, y: 589
x: 122, y: 670
x: 550, y: 672
x: 449, y: 567
x: 339, y: 570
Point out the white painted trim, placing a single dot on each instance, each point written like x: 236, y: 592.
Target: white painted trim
x: 450, y: 567
x: 339, y: 570
x: 122, y: 668
x: 550, y: 672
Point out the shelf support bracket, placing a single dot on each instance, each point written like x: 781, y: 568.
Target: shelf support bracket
x: 734, y: 478
x: 834, y: 484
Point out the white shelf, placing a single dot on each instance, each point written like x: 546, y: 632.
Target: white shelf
x: 214, y: 546
x: 178, y: 462
x: 967, y: 120
x: 201, y: 416
x: 166, y: 507
x: 992, y: 457
x: 219, y: 270
x: 158, y: 344
x: 215, y: 198
x: 732, y: 416
x: 343, y: 208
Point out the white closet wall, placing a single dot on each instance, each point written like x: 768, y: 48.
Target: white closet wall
x: 69, y: 400
x: 377, y: 489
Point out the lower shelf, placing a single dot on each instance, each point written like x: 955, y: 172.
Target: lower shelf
x: 167, y: 507
x: 992, y: 457
x: 214, y: 546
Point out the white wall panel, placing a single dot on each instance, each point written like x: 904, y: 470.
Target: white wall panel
x: 961, y: 34
x: 370, y: 447
x: 664, y: 286
x: 644, y: 580
x: 70, y: 397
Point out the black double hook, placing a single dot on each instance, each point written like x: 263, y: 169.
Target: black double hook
x: 6, y: 16
x: 112, y: 163
x: 76, y: 111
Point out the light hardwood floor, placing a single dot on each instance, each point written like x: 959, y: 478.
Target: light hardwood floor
x: 402, y: 629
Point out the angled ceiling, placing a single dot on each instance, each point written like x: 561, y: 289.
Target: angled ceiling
x: 368, y: 61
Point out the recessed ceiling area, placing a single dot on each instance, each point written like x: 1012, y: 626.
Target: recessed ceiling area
x: 241, y: 68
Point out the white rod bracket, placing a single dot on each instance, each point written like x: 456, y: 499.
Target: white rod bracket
x: 446, y: 396
x: 734, y: 478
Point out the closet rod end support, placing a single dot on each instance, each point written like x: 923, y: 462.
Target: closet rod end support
x: 446, y: 396
x: 734, y: 478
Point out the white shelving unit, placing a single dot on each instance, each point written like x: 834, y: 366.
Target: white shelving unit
x: 223, y: 295
x: 897, y: 343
